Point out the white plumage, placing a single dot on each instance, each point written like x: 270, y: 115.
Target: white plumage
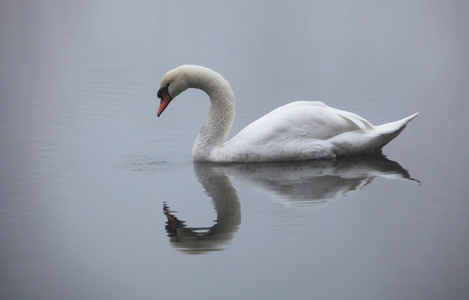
x: 297, y: 131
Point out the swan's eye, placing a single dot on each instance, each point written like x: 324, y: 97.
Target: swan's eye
x: 164, y: 90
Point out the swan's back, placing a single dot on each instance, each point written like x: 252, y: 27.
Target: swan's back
x: 306, y: 130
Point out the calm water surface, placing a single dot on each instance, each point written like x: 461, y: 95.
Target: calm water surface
x: 100, y: 198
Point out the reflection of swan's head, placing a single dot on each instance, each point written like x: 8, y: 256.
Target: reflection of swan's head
x: 198, y: 240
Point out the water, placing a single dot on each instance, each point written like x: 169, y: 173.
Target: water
x: 100, y: 198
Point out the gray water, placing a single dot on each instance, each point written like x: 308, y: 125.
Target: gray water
x: 100, y: 198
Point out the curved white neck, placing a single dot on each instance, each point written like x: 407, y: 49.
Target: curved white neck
x: 220, y: 116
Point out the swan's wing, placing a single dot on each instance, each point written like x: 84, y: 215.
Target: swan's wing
x: 300, y: 120
x: 305, y: 130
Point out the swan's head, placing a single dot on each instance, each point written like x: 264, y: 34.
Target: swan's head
x: 172, y: 84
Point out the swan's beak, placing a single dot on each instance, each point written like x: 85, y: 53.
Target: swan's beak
x: 165, y: 99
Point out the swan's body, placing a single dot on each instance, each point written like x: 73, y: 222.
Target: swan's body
x: 297, y: 131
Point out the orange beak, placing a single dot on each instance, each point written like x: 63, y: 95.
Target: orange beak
x: 165, y: 99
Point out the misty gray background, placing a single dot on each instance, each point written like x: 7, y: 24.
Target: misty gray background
x: 86, y: 166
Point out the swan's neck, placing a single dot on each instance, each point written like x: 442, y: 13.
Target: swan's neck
x: 220, y: 116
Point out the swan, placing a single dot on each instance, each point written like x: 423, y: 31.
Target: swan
x: 300, y: 130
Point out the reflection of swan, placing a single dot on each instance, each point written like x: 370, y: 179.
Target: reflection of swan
x: 299, y: 184
x: 202, y: 240
x: 296, y: 131
x: 313, y: 183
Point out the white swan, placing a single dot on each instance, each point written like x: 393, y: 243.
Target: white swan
x: 297, y: 131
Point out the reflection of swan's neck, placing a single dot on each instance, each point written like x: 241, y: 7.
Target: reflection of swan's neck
x: 202, y: 240
x: 221, y: 115
x: 218, y: 187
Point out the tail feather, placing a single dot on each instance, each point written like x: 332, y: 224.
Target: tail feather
x: 391, y: 130
x: 396, y: 126
x: 368, y: 141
